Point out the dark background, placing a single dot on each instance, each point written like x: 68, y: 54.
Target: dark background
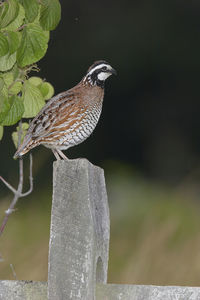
x: 151, y: 109
x: 150, y: 121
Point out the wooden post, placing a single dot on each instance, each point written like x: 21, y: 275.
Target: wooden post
x: 78, y: 248
x: 79, y: 234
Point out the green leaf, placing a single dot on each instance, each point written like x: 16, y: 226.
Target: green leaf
x: 10, y: 87
x: 7, y: 62
x: 4, y: 107
x: 16, y: 72
x: 15, y: 112
x: 33, y: 45
x: 3, y: 10
x: 33, y: 100
x: 15, y: 88
x: 31, y: 9
x: 1, y: 84
x: 8, y: 12
x: 35, y: 80
x: 1, y: 132
x: 13, y: 40
x: 14, y: 25
x: 50, y: 14
x: 7, y: 78
x: 47, y: 90
x: 4, y: 91
x: 15, y: 134
x: 4, y: 47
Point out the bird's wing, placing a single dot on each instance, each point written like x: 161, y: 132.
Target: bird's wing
x: 41, y: 125
x: 51, y: 112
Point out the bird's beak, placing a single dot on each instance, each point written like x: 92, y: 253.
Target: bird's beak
x: 113, y: 71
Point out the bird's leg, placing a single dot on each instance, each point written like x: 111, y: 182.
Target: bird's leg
x: 62, y: 155
x: 55, y: 152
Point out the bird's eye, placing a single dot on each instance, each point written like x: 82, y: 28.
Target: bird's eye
x: 104, y: 69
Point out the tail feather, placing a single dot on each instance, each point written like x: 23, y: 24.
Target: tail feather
x: 26, y: 145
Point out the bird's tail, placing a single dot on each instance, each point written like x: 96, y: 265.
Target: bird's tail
x: 25, y: 146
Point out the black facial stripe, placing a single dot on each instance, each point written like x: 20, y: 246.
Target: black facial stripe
x: 94, y: 79
x: 98, y: 71
x: 93, y: 76
x: 98, y: 63
x: 100, y: 83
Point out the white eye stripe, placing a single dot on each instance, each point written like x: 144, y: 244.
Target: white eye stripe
x: 108, y: 67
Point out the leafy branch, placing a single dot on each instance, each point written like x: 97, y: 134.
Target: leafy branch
x: 25, y: 27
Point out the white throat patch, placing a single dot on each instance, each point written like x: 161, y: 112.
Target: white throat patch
x: 103, y: 76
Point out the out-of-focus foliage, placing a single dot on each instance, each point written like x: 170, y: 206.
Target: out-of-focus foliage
x: 154, y: 230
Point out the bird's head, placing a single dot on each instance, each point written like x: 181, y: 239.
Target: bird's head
x: 99, y: 72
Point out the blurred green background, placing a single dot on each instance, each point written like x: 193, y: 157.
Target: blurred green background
x: 147, y: 141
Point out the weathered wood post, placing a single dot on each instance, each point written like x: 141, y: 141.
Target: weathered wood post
x: 79, y: 234
x: 78, y: 247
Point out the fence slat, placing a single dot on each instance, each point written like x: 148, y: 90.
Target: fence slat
x: 30, y: 290
x: 79, y: 234
x: 146, y: 292
x: 22, y: 290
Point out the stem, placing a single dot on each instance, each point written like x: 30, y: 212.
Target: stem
x: 17, y: 193
x: 30, y: 178
x: 16, y: 80
x: 8, y: 213
x: 13, y: 271
x: 8, y: 185
x: 21, y: 27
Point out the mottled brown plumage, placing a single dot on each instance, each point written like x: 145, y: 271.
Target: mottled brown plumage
x: 70, y: 117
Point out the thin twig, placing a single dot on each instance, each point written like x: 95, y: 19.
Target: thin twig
x: 13, y: 271
x: 21, y: 175
x: 17, y: 193
x: 8, y: 185
x: 21, y: 27
x: 30, y: 178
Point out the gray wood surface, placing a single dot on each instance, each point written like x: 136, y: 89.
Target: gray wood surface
x: 146, y: 292
x: 22, y: 290
x: 79, y: 234
x: 28, y: 290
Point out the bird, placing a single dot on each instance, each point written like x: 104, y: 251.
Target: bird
x: 70, y: 117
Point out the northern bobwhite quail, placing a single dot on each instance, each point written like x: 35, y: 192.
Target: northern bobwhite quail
x: 70, y: 117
